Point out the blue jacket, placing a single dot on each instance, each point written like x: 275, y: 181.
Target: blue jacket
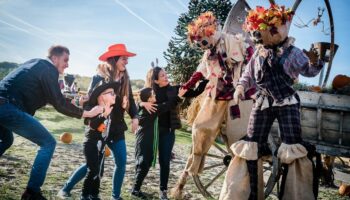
x: 33, y: 85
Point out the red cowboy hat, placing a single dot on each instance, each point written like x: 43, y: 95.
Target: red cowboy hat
x: 116, y: 50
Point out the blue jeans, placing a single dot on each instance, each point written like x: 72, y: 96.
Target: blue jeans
x: 118, y: 150
x: 13, y: 119
x: 166, y: 144
x: 6, y: 138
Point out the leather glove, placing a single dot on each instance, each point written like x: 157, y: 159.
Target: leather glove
x: 313, y: 55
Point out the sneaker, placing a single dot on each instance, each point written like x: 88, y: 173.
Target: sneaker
x: 84, y: 197
x: 138, y: 194
x: 29, y: 194
x: 95, y: 197
x: 117, y: 198
x: 163, y: 195
x: 172, y: 157
x: 63, y: 194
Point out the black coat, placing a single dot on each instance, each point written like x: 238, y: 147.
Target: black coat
x: 172, y: 92
x: 33, y: 85
x: 146, y: 120
x: 93, y: 132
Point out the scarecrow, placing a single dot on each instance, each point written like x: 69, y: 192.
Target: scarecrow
x: 273, y: 68
x: 221, y: 65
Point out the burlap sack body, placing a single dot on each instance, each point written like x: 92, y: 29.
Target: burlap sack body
x: 299, y: 179
x: 237, y: 180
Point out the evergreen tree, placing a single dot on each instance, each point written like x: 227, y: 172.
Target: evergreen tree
x: 183, y: 59
x: 6, y: 68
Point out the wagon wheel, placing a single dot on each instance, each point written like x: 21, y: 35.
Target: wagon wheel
x: 218, y: 166
x: 272, y: 169
x: 217, y: 160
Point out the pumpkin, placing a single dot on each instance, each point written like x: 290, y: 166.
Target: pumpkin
x: 107, y: 152
x: 101, y: 128
x: 340, y: 81
x: 66, y: 137
x: 344, y: 189
x: 315, y: 88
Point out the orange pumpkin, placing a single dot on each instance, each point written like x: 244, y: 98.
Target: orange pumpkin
x: 107, y: 152
x: 66, y: 137
x: 340, y: 81
x: 315, y: 88
x: 344, y: 189
x: 101, y: 128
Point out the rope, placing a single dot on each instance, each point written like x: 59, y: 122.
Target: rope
x: 155, y: 142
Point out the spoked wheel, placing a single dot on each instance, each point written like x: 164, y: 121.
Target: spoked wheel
x: 272, y: 168
x: 209, y: 182
x: 217, y: 161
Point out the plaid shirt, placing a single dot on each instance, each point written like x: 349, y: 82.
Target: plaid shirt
x: 221, y: 82
x: 296, y: 63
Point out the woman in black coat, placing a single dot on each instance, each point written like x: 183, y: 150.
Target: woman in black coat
x: 167, y: 121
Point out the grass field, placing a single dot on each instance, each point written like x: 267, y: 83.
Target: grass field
x: 16, y: 163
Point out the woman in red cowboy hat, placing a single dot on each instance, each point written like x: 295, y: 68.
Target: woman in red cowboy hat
x: 113, y: 69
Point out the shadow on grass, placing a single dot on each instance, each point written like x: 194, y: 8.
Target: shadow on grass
x: 10, y: 158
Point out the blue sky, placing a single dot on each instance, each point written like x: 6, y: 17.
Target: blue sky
x: 29, y: 27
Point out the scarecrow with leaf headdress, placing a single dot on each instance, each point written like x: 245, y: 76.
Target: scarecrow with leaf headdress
x: 221, y: 64
x: 273, y: 68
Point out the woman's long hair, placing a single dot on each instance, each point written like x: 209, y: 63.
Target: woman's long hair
x: 152, y: 76
x: 149, y: 79
x: 109, y: 72
x: 102, y: 70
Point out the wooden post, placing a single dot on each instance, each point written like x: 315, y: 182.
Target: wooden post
x: 319, y: 118
x: 327, y: 176
x: 341, y: 133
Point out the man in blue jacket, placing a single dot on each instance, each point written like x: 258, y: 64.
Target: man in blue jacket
x: 22, y: 92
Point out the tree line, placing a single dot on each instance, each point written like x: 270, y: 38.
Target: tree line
x: 82, y: 81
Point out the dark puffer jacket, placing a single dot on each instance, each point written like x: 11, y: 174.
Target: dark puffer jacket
x: 172, y: 92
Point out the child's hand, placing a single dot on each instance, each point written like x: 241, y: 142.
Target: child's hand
x: 125, y: 102
x: 107, y: 111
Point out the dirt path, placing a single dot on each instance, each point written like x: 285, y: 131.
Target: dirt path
x: 15, y: 166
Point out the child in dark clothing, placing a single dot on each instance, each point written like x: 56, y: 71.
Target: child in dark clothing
x: 96, y: 138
